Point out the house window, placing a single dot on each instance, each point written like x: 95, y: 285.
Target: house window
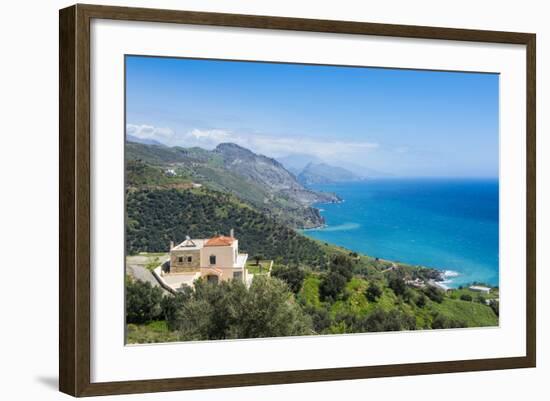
x: 189, y: 259
x: 238, y: 275
x: 212, y: 259
x: 180, y: 259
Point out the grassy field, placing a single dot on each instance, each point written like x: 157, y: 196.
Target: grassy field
x: 471, y: 312
x: 153, y: 332
x: 262, y: 268
x: 457, y: 293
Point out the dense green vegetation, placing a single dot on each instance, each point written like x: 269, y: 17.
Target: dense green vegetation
x: 293, y: 276
x: 354, y: 312
x: 295, y: 301
x: 219, y: 311
x: 157, y: 216
x: 142, y: 301
x: 384, y: 303
x: 230, y: 310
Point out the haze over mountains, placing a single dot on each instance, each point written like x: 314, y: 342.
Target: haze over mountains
x: 144, y: 141
x: 307, y: 169
x: 310, y: 169
x: 322, y: 173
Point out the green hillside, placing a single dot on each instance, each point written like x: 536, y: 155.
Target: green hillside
x: 154, y: 154
x: 352, y: 311
x: 298, y: 301
x: 157, y: 216
x: 140, y: 175
x: 254, y: 179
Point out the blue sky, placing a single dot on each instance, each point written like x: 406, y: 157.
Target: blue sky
x: 401, y: 122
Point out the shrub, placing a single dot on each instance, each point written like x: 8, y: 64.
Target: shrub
x: 142, y: 301
x: 373, y: 292
x: 320, y: 318
x: 334, y: 282
x: 435, y: 294
x: 331, y: 287
x: 393, y: 320
x: 443, y: 322
x: 494, y: 305
x: 421, y: 301
x: 171, y: 304
x: 408, y: 295
x: 292, y: 275
x: 342, y: 265
x: 466, y: 297
x: 397, y: 285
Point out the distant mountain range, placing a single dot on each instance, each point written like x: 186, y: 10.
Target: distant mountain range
x: 135, y: 139
x: 296, y: 163
x: 310, y: 170
x: 322, y: 173
x: 259, y: 180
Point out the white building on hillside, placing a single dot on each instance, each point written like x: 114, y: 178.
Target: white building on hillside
x: 215, y: 259
x: 480, y: 288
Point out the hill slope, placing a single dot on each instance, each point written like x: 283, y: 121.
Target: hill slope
x: 255, y: 179
x: 157, y: 216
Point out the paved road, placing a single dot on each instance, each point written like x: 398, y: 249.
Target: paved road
x: 141, y: 273
x: 135, y: 267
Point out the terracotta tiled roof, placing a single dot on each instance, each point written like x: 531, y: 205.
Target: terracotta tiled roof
x: 220, y: 240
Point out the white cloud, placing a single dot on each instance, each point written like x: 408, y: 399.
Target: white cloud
x: 275, y: 146
x: 320, y: 147
x: 149, y: 132
x: 204, y: 138
x: 269, y: 145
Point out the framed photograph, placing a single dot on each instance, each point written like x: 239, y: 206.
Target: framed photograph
x: 250, y: 200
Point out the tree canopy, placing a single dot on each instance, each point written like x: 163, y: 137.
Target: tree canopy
x: 143, y: 301
x: 230, y: 310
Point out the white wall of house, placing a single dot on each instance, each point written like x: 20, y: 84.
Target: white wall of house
x: 223, y: 273
x: 226, y: 256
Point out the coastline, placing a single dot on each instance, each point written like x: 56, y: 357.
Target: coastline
x: 445, y: 276
x: 451, y: 276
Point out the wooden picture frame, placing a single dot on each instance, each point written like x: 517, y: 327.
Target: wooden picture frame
x: 75, y: 207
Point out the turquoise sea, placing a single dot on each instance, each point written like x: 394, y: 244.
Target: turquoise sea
x: 448, y: 224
